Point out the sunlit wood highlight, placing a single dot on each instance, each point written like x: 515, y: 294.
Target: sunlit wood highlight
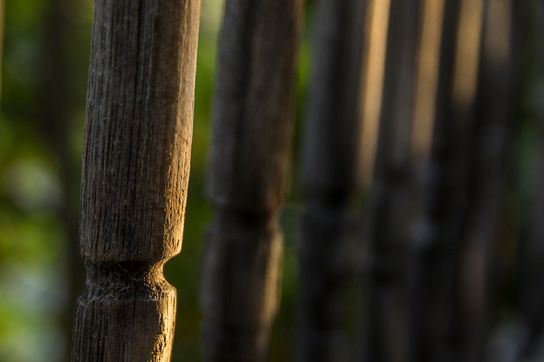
x: 427, y: 79
x: 373, y: 82
x: 498, y: 47
x: 468, y: 52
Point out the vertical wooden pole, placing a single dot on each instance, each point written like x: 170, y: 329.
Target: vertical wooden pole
x: 386, y: 330
x: 248, y: 168
x: 331, y: 177
x: 430, y: 269
x: 135, y: 174
x: 490, y: 164
x: 442, y: 182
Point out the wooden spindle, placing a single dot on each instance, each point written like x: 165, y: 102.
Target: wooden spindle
x: 442, y: 186
x: 490, y: 166
x: 332, y: 178
x: 135, y: 174
x: 248, y: 167
x: 386, y: 330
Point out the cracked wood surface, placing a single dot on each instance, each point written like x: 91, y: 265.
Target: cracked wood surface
x: 135, y: 174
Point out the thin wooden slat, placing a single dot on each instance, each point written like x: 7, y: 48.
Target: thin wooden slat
x: 135, y: 174
x: 248, y: 169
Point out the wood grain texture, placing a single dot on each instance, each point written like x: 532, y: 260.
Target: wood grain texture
x: 248, y: 168
x: 135, y: 174
x: 332, y: 179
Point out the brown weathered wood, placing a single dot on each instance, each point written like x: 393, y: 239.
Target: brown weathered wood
x: 331, y: 177
x: 135, y: 173
x: 248, y: 166
x: 386, y: 331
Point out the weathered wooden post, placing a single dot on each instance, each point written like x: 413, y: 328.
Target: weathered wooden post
x: 249, y: 161
x: 135, y: 174
x: 331, y: 176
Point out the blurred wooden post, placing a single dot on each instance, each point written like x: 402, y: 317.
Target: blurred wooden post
x: 248, y: 168
x: 443, y: 165
x: 136, y: 168
x: 386, y: 330
x: 490, y: 163
x: 331, y: 176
